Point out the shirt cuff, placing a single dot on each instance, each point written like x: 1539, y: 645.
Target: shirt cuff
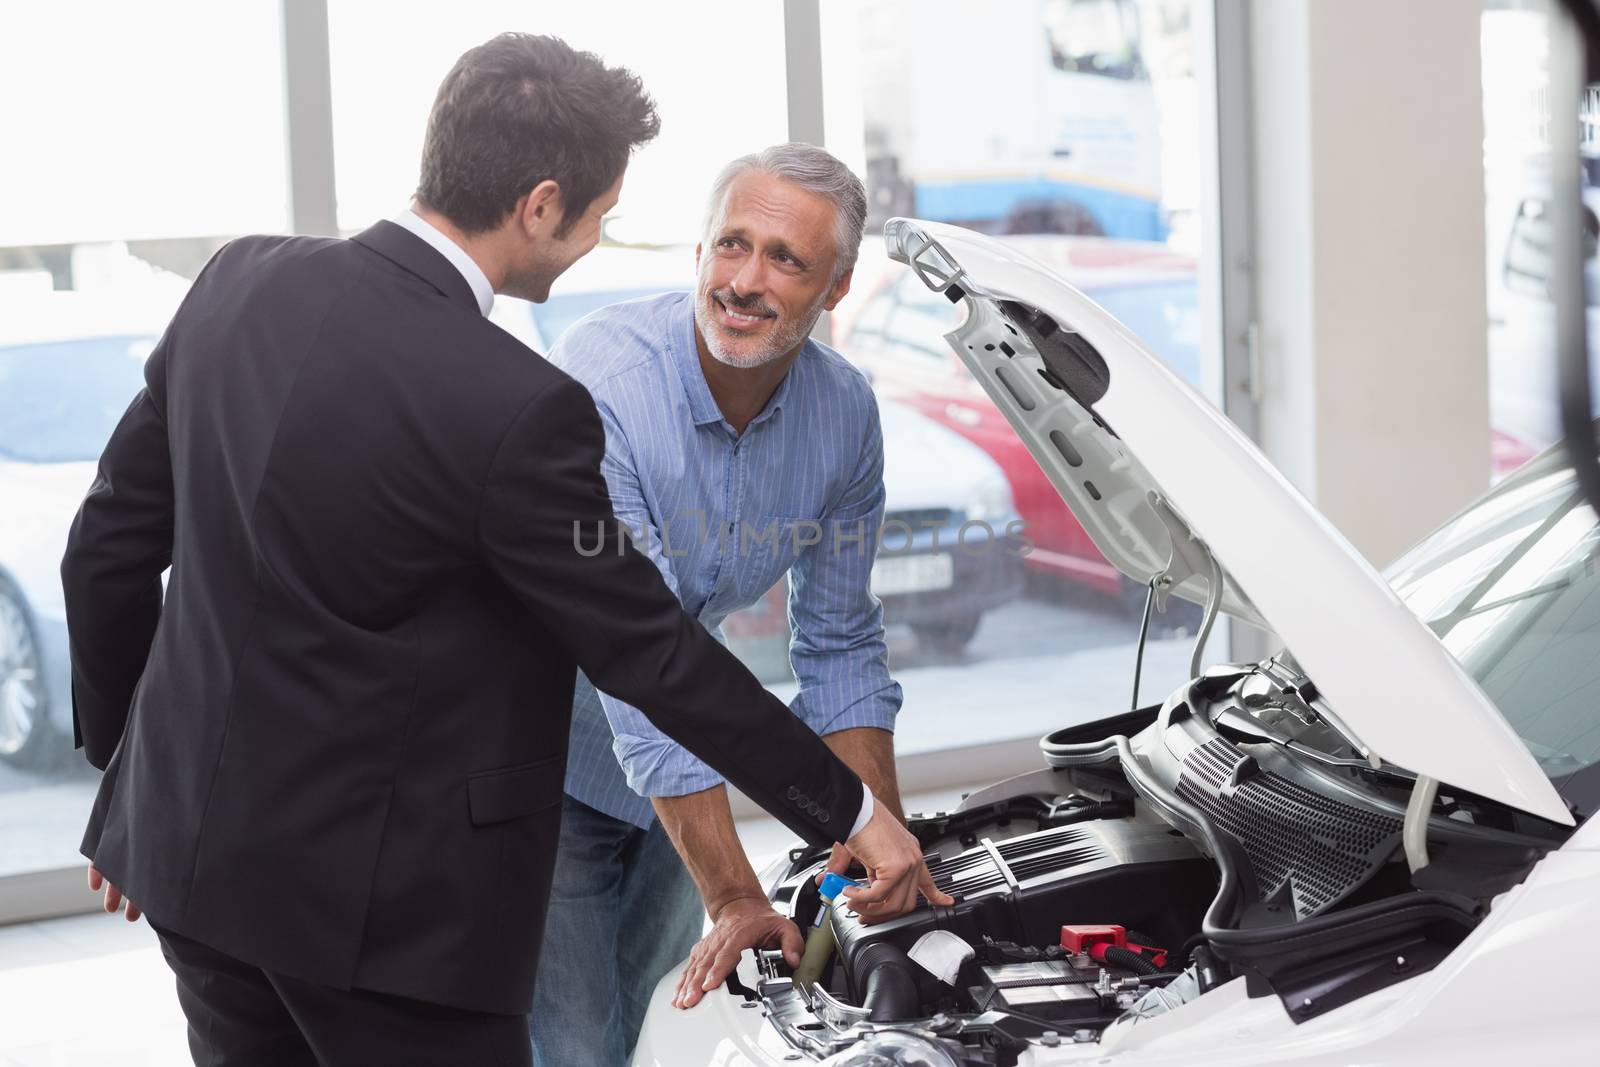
x: 865, y: 815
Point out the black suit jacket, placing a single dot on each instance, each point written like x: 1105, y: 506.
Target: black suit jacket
x: 336, y: 750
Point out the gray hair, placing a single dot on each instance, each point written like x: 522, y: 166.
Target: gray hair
x: 814, y: 170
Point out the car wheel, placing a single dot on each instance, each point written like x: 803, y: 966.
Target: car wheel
x: 26, y: 737
x: 947, y: 636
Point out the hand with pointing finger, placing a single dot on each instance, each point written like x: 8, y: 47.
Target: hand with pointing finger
x: 896, y: 870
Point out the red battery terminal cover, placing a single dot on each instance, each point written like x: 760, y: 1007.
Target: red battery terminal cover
x: 1095, y: 939
x: 1084, y: 938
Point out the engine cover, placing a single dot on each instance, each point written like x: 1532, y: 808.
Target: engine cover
x: 1136, y: 872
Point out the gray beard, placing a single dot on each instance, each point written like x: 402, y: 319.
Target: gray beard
x: 775, y: 348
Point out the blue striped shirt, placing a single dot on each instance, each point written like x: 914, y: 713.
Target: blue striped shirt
x: 724, y: 516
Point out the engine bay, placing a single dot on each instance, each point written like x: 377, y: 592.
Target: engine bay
x: 1160, y: 854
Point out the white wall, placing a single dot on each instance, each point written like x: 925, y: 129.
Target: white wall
x: 1368, y: 169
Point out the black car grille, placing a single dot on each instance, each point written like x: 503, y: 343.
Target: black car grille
x: 1025, y: 858
x: 1320, y: 848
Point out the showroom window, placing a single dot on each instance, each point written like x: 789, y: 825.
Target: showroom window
x: 157, y: 134
x: 1067, y: 128
x: 719, y: 99
x: 1517, y: 109
x: 1090, y: 163
x: 166, y: 136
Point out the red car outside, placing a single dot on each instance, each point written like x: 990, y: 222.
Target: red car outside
x: 896, y: 335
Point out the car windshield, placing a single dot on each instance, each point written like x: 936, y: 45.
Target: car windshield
x: 60, y: 400
x: 1512, y: 588
x: 563, y: 309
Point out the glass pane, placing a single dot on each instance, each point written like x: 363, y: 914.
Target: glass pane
x: 130, y: 180
x: 1510, y: 586
x: 1066, y: 127
x: 386, y: 70
x: 1517, y: 110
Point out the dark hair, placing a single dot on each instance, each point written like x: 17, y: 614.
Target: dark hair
x: 520, y: 109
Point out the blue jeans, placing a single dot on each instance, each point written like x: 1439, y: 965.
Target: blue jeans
x: 623, y: 912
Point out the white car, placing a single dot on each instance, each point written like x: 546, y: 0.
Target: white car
x: 1366, y: 849
x: 69, y: 366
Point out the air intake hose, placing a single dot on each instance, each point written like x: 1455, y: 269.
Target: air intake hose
x: 889, y: 980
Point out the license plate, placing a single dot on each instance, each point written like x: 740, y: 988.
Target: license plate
x: 913, y: 574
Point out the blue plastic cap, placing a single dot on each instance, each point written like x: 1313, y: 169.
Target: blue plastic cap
x: 832, y: 884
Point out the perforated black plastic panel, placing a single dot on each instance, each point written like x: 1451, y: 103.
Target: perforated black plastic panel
x: 1320, y: 848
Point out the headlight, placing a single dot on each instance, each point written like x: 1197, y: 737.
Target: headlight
x: 991, y: 503
x: 891, y: 1048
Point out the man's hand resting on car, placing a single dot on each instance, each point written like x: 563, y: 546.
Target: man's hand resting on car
x: 702, y: 830
x: 746, y: 922
x: 895, y: 872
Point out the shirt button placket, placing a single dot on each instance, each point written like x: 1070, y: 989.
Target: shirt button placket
x: 736, y: 514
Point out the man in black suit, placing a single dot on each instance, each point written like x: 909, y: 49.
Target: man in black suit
x: 333, y: 752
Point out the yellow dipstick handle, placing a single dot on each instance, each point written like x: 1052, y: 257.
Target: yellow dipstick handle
x: 819, y: 941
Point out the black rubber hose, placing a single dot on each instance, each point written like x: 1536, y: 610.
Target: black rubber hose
x: 889, y: 983
x: 888, y: 979
x: 1129, y: 960
x: 1187, y: 951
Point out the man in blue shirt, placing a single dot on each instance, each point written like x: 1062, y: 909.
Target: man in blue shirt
x: 737, y: 450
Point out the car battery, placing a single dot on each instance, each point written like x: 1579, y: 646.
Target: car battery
x: 1056, y: 991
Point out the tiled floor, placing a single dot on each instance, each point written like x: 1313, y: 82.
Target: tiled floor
x: 90, y: 990
x: 93, y: 991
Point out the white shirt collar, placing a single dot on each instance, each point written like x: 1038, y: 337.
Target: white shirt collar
x: 457, y: 255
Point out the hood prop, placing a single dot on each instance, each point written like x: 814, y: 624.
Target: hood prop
x: 1155, y: 599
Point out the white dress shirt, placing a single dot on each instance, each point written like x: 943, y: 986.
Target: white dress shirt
x: 453, y: 252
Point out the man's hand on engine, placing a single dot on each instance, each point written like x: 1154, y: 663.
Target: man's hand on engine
x: 744, y: 922
x: 896, y: 871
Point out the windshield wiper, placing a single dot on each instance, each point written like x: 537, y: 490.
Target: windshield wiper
x: 1230, y: 720
x: 1450, y: 620
x: 1469, y: 604
x: 1296, y: 693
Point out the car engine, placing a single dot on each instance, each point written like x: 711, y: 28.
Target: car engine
x: 1071, y: 903
x: 1127, y: 872
x: 1160, y: 853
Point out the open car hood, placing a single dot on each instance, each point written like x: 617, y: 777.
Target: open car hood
x: 1167, y: 486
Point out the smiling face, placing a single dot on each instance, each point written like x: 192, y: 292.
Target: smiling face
x: 553, y: 242
x: 766, y: 270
